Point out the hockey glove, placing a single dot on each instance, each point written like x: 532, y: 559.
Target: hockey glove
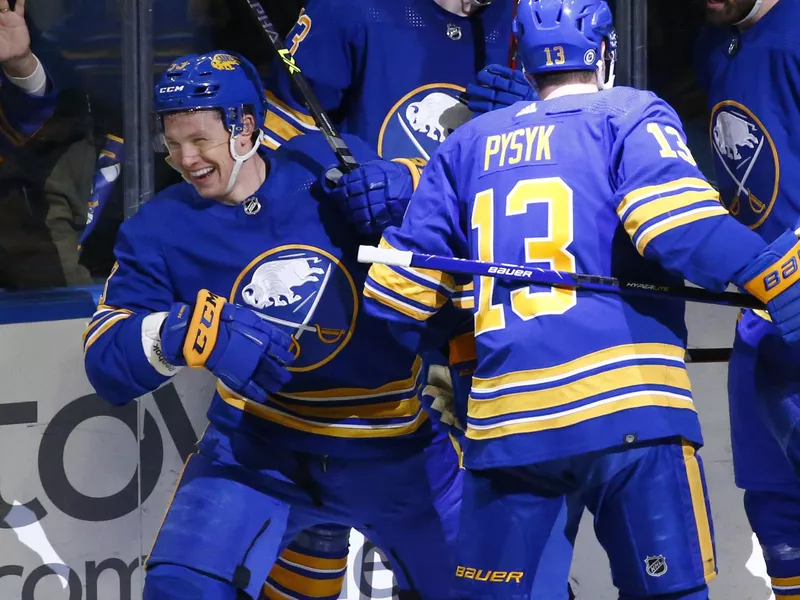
x: 497, y: 87
x: 438, y: 400
x: 774, y: 278
x: 375, y: 195
x: 245, y: 352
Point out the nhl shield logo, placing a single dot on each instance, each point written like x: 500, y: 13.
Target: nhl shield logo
x: 453, y: 32
x: 252, y: 206
x: 655, y: 566
x: 746, y: 162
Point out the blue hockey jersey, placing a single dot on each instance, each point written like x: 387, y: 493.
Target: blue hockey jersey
x: 388, y: 71
x: 22, y: 115
x: 752, y: 79
x: 598, y: 183
x: 291, y: 257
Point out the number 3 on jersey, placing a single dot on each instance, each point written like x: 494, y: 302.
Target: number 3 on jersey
x: 551, y: 249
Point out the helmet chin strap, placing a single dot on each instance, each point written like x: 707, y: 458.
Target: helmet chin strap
x: 605, y: 82
x: 751, y: 14
x: 238, y: 161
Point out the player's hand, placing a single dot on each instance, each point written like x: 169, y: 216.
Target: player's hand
x: 16, y: 57
x: 248, y: 354
x: 774, y: 278
x: 373, y: 196
x: 496, y: 87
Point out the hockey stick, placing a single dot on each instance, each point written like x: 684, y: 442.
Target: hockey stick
x: 512, y: 50
x: 347, y: 161
x: 599, y: 283
x: 708, y: 355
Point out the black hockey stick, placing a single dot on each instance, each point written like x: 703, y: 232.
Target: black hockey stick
x: 526, y: 273
x: 708, y: 355
x: 347, y: 161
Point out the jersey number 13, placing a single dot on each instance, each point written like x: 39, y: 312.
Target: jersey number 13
x: 550, y: 249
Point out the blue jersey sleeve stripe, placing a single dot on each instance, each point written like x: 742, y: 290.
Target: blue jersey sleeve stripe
x: 648, y: 234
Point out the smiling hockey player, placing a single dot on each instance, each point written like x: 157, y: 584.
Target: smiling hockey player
x: 246, y: 271
x: 583, y: 393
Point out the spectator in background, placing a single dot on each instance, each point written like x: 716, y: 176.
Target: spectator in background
x: 45, y: 168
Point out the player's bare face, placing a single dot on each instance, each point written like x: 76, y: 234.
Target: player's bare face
x: 198, y: 147
x: 727, y: 12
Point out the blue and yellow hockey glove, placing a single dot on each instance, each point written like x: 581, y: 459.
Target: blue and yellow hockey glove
x: 496, y: 87
x: 774, y: 278
x: 248, y: 354
x: 375, y: 195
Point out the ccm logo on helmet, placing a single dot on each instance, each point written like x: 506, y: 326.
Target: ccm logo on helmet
x: 170, y: 88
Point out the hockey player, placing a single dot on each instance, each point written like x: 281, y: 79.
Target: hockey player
x: 579, y: 392
x: 751, y: 71
x: 245, y: 270
x: 402, y: 103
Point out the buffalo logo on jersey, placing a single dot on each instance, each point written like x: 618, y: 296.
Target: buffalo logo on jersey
x: 421, y: 120
x: 748, y: 170
x: 288, y: 286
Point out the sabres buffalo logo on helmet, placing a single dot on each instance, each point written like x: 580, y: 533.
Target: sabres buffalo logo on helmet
x: 224, y: 62
x: 287, y: 287
x: 748, y: 169
x: 421, y: 120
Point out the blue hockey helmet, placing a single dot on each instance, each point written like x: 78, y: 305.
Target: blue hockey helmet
x: 218, y: 80
x: 566, y: 35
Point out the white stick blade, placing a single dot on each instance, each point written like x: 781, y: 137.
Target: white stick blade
x: 384, y: 256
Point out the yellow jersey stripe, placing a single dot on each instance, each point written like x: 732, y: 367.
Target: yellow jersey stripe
x: 281, y: 127
x: 601, y: 358
x: 669, y: 187
x: 102, y: 329
x: 301, y: 119
x: 566, y: 418
x: 339, y: 430
x: 387, y: 277
x: 313, y: 563
x: 652, y: 232
x: 662, y: 206
x: 574, y: 391
x: 396, y: 304
x: 395, y: 387
x: 305, y: 586
x: 467, y: 303
x: 700, y: 510
x: 435, y: 278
